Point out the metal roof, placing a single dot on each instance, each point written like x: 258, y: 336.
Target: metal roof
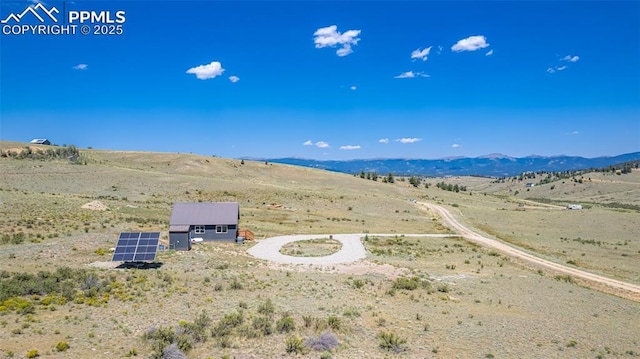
x: 202, y: 213
x: 39, y: 140
x: 179, y: 228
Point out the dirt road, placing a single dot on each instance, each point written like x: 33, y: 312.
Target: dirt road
x: 613, y: 286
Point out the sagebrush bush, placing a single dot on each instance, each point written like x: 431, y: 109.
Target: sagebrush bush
x: 198, y: 329
x: 326, y: 341
x: 263, y: 325
x: 173, y: 352
x: 267, y: 308
x: 227, y: 324
x: 285, y: 324
x: 406, y: 283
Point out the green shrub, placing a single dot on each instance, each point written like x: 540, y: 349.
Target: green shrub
x: 198, y: 329
x: 392, y: 342
x: 308, y: 320
x: 334, y: 322
x: 62, y: 346
x: 263, y: 325
x: 293, y: 344
x: 351, y: 312
x: 227, y: 323
x: 32, y: 354
x: 235, y: 284
x: 132, y: 353
x: 406, y: 283
x: 358, y: 283
x: 285, y: 324
x: 267, y: 308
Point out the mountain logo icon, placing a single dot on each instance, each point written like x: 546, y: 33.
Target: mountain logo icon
x: 36, y: 11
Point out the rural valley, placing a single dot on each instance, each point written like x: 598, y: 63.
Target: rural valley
x: 424, y: 289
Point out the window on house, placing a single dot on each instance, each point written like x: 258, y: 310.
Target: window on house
x: 221, y: 229
x: 198, y: 229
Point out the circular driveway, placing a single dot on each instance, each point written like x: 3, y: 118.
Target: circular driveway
x: 269, y: 249
x: 352, y: 248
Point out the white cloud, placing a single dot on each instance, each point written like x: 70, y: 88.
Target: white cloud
x: 234, y: 79
x: 205, y: 72
x: 555, y: 69
x: 471, y: 43
x: 571, y: 58
x: 408, y: 140
x: 319, y: 144
x: 489, y: 53
x: 330, y: 37
x: 349, y: 147
x: 410, y: 75
x: 353, y: 88
x: 574, y: 133
x: 455, y: 145
x: 81, y: 67
x: 346, y: 50
x: 384, y: 140
x: 421, y: 54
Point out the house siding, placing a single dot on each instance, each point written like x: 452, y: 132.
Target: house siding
x: 211, y: 235
x: 179, y: 241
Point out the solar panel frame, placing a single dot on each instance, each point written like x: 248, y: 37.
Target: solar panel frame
x: 136, y: 247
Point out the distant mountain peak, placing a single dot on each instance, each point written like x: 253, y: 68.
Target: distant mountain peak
x: 493, y: 156
x: 491, y: 165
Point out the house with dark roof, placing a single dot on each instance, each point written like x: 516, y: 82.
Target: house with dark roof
x: 203, y: 222
x: 40, y: 141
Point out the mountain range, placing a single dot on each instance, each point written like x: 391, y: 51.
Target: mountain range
x: 493, y: 165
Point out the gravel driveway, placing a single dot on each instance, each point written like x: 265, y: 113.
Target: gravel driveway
x: 352, y: 248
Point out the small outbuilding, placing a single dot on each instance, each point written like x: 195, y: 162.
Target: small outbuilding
x: 203, y: 222
x: 574, y: 206
x: 40, y: 141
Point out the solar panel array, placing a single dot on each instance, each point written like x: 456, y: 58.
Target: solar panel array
x: 136, y: 247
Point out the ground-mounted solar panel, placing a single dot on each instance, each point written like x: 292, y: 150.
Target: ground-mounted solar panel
x: 136, y: 247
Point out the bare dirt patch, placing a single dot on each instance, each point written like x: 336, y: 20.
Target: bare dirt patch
x: 95, y: 206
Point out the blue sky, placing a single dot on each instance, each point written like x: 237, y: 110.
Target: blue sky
x: 330, y: 80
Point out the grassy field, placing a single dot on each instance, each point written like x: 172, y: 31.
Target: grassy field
x: 603, y: 237
x: 318, y: 247
x: 453, y: 299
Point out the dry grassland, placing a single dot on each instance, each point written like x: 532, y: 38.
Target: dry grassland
x: 453, y: 299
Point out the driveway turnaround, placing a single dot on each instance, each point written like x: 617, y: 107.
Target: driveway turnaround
x: 352, y: 248
x: 269, y: 249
